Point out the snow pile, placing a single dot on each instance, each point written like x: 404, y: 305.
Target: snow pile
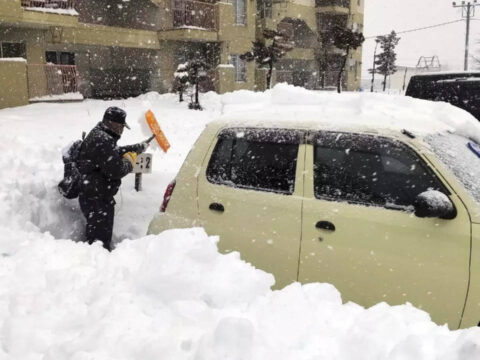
x: 70, y: 12
x: 29, y: 199
x: 365, y: 111
x: 172, y: 296
x: 13, y: 59
x: 75, y: 96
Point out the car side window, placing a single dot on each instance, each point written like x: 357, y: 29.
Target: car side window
x: 263, y: 160
x: 370, y: 170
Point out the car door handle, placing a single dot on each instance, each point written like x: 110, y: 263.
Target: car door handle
x: 216, y: 207
x: 325, y: 225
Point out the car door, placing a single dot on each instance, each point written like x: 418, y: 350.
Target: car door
x: 250, y: 194
x: 359, y: 231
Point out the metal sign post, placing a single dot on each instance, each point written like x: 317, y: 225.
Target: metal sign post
x: 142, y: 166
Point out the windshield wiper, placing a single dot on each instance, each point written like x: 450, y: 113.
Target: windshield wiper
x: 474, y: 147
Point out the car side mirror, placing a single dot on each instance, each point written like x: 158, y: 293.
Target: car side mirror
x: 434, y: 204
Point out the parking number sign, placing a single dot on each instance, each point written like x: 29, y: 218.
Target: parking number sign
x: 143, y: 164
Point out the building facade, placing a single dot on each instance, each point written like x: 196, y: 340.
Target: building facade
x: 315, y: 62
x: 115, y: 48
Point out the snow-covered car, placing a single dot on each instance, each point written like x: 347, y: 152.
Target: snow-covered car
x: 383, y: 213
x: 461, y: 89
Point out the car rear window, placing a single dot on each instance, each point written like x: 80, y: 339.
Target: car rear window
x: 370, y: 170
x: 257, y: 159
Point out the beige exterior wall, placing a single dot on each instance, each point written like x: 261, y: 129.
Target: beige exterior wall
x: 94, y: 45
x: 14, y: 89
x: 35, y: 43
x: 236, y: 39
x: 356, y: 21
x: 355, y: 15
x: 225, y: 76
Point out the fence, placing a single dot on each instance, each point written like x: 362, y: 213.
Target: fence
x: 50, y: 4
x: 58, y: 79
x: 194, y: 14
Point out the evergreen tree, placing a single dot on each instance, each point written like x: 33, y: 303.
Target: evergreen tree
x: 267, y: 54
x: 385, y: 62
x: 181, y: 83
x: 345, y: 39
x: 197, y: 71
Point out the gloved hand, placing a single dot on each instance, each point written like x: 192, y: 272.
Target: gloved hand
x: 142, y: 147
x: 131, y: 156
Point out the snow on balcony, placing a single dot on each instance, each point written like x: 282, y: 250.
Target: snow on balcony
x: 63, y: 7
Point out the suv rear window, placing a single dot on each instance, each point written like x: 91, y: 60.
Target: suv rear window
x: 258, y: 159
x: 461, y: 90
x: 370, y: 170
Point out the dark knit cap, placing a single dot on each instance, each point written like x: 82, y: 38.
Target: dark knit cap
x: 117, y: 115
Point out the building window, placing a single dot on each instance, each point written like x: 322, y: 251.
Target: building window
x: 13, y: 50
x: 240, y: 68
x: 240, y: 8
x: 342, y: 3
x: 264, y: 8
x: 60, y: 58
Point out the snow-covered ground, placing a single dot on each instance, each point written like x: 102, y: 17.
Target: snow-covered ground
x: 173, y: 296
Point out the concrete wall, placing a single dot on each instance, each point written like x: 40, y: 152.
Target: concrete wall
x: 14, y: 89
x: 35, y: 43
x: 356, y: 21
x: 236, y: 39
x: 225, y: 79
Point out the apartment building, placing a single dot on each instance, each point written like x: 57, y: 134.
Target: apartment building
x: 119, y: 48
x: 116, y: 48
x: 315, y: 62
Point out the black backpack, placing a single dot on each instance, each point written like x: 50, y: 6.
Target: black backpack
x: 70, y: 185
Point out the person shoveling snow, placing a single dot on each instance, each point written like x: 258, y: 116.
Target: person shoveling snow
x: 102, y: 164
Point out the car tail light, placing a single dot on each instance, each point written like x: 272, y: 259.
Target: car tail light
x: 168, y: 195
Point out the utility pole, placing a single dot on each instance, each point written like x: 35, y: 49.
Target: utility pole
x: 468, y: 11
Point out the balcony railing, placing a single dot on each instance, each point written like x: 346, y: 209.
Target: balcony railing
x: 340, y: 3
x: 61, y: 79
x: 48, y: 4
x: 53, y: 79
x: 195, y: 14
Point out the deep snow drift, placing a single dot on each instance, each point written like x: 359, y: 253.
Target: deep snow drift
x: 173, y: 296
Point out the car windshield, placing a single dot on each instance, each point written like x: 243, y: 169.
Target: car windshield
x: 456, y: 153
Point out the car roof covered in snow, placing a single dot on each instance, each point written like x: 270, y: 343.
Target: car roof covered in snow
x: 450, y: 73
x: 292, y: 107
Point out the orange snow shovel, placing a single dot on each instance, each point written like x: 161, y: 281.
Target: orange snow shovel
x: 157, y: 132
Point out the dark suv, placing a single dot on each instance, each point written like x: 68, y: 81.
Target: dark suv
x: 461, y: 89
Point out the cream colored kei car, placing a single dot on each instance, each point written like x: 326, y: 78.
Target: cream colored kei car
x: 384, y: 216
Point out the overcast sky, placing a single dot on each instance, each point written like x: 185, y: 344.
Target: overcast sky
x: 447, y: 42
